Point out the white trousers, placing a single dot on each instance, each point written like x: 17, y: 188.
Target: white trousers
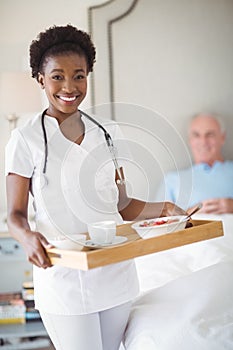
x: 97, y: 331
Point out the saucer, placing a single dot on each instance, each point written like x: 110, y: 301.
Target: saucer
x: 117, y: 240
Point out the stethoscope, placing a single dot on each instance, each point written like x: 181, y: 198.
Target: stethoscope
x: 108, y: 139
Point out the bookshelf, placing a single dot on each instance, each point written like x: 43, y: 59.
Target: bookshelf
x: 13, y: 265
x: 31, y: 335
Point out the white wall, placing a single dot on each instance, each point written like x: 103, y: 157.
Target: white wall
x: 172, y: 58
x: 178, y: 60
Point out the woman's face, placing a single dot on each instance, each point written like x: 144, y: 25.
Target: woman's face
x: 64, y: 79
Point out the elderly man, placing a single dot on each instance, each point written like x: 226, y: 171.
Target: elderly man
x: 210, y: 179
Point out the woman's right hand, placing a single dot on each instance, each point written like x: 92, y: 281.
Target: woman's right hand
x: 35, y: 244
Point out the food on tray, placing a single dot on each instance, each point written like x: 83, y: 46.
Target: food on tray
x: 157, y: 222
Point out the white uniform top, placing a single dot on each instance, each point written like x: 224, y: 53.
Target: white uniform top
x: 81, y: 188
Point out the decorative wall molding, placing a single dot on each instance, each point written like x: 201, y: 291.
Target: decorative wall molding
x: 91, y: 13
x: 101, y: 19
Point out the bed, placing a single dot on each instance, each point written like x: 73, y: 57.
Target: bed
x: 186, y: 299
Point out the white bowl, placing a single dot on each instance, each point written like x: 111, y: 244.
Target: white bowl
x: 163, y: 228
x: 66, y: 243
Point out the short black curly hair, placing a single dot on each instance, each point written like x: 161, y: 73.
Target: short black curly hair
x: 58, y: 40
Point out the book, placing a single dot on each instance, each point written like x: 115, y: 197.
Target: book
x: 12, y: 308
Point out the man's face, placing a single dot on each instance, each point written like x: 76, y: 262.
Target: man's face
x: 206, y: 140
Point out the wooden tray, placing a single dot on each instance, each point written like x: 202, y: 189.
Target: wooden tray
x: 135, y: 246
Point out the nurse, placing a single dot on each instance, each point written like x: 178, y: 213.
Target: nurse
x: 61, y: 158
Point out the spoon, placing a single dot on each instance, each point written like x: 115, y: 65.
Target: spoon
x: 188, y: 217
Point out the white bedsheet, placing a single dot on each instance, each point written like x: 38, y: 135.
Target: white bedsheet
x: 186, y: 299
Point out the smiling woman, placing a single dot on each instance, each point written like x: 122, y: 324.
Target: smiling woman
x: 65, y: 87
x: 82, y: 187
x: 64, y: 81
x: 61, y: 59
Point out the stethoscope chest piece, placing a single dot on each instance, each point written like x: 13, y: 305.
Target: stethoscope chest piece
x: 41, y: 181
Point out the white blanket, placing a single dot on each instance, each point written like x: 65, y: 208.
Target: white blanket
x: 186, y: 299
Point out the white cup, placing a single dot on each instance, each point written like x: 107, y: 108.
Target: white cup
x: 102, y: 232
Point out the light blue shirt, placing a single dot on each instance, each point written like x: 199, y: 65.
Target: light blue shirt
x: 189, y: 186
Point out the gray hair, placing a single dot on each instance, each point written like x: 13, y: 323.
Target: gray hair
x: 214, y: 116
